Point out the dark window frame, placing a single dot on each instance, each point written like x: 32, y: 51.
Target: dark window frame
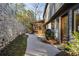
x: 73, y: 10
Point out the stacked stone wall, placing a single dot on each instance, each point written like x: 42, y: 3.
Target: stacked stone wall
x: 10, y: 28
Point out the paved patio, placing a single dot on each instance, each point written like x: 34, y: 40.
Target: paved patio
x: 37, y: 48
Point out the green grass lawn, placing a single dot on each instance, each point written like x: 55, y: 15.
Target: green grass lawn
x: 16, y: 48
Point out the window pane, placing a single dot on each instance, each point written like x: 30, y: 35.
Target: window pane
x: 76, y: 20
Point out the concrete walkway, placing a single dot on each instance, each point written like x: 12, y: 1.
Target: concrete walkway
x: 37, y: 48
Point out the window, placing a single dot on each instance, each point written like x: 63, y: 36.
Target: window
x: 56, y: 28
x: 76, y: 20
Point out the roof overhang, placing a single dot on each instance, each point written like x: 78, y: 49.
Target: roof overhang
x: 40, y: 21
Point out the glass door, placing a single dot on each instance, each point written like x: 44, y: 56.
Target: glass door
x: 64, y: 28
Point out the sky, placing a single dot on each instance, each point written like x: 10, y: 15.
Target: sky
x: 41, y: 8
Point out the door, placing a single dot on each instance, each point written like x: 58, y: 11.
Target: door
x: 64, y: 28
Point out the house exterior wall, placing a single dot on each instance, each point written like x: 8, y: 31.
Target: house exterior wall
x: 54, y: 7
x: 47, y: 17
x: 58, y: 6
x: 47, y: 14
x: 49, y: 26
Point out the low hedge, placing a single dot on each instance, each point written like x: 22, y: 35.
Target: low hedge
x: 16, y: 48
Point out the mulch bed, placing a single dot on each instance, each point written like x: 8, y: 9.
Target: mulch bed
x: 62, y: 53
x: 53, y: 42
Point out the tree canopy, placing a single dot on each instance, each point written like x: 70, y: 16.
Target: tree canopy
x: 26, y: 17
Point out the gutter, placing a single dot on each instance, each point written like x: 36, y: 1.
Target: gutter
x: 45, y: 9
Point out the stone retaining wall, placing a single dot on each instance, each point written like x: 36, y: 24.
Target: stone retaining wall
x: 10, y: 28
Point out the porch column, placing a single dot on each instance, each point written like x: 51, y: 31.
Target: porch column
x: 59, y: 29
x: 70, y: 24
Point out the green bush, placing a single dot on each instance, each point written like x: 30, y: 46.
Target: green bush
x: 72, y: 47
x: 16, y: 48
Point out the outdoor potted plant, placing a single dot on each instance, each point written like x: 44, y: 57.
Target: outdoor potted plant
x: 49, y: 34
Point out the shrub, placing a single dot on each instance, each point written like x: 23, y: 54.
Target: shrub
x: 72, y: 47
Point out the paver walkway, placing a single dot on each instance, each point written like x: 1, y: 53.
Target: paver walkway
x: 37, y: 48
